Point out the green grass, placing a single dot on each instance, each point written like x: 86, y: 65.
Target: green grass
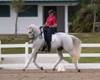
x: 85, y: 60
x: 11, y: 39
x: 88, y: 37
x: 13, y: 50
x: 91, y: 50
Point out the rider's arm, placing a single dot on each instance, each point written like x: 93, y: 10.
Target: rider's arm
x: 44, y: 25
x: 55, y: 25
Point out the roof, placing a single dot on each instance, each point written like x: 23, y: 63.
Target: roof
x: 42, y: 1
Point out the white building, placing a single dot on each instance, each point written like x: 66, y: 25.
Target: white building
x: 36, y: 13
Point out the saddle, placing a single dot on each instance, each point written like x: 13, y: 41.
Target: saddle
x: 54, y: 39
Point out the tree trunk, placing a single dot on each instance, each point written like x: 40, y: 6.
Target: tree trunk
x: 94, y: 21
x: 16, y: 24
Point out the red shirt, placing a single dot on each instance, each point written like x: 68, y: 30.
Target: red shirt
x: 51, y: 20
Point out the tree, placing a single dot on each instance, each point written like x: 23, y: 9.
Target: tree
x: 83, y: 20
x: 17, y: 5
x: 95, y: 5
x: 88, y: 9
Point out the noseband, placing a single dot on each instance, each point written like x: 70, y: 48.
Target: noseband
x: 32, y: 38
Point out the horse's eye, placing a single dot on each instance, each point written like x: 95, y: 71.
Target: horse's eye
x: 30, y: 27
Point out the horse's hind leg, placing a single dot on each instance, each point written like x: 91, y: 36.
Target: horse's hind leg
x: 76, y: 63
x: 76, y: 66
x: 59, y: 50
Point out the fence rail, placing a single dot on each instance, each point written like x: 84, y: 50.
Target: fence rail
x: 26, y: 56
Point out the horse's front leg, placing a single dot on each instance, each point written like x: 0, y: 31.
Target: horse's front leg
x: 34, y: 61
x: 32, y: 55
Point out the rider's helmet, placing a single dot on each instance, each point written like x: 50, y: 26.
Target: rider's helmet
x: 51, y: 11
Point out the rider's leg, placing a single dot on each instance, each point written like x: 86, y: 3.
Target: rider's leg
x: 49, y: 35
x: 50, y: 31
x: 45, y: 33
x: 45, y: 37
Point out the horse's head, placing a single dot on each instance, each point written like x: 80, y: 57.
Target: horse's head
x: 33, y: 31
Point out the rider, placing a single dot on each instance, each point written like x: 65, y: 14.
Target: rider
x: 50, y: 28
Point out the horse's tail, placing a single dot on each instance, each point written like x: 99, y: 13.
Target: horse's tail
x: 76, y: 49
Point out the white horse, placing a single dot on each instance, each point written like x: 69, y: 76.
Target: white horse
x: 59, y: 42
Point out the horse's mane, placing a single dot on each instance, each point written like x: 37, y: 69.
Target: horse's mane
x: 35, y: 27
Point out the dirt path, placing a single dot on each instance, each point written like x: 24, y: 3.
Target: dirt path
x: 50, y: 75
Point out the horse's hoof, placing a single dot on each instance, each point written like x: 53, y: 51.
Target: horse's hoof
x: 41, y: 68
x: 79, y: 70
x: 54, y: 69
x: 23, y: 69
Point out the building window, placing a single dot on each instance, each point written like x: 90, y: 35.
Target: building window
x: 29, y: 11
x: 4, y: 11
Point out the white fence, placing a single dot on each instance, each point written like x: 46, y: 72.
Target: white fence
x: 26, y: 46
x: 26, y: 56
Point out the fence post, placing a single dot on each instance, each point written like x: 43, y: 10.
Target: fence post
x: 26, y: 53
x: 0, y: 51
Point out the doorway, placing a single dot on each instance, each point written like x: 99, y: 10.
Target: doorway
x: 60, y: 14
x: 46, y: 9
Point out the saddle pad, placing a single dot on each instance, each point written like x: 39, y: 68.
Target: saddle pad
x: 54, y: 38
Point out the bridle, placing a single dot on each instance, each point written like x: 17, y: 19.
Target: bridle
x: 35, y: 37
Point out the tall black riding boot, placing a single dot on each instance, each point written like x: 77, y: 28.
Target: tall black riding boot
x: 49, y: 45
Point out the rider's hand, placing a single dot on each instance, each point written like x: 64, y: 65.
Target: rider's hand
x: 41, y: 27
